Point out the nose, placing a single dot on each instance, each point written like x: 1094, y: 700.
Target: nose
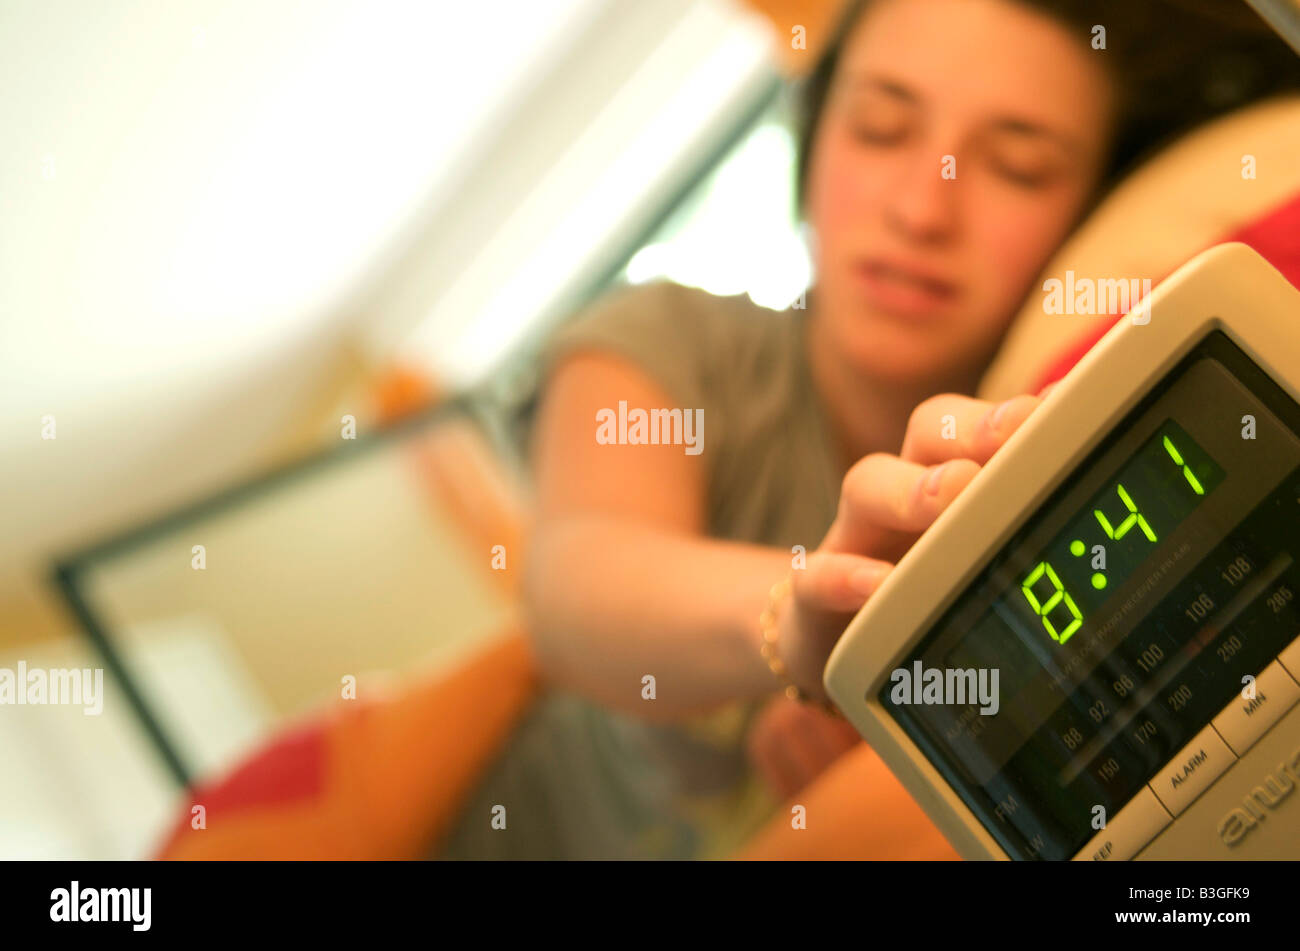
x: 922, y: 204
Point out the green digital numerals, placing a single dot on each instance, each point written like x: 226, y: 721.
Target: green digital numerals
x: 1175, y: 455
x: 1134, y: 518
x: 1058, y: 597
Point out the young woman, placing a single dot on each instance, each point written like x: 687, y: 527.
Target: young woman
x: 950, y: 147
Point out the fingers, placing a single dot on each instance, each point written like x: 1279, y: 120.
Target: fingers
x: 838, y: 582
x: 773, y: 750
x: 805, y: 747
x: 826, y: 736
x: 775, y: 760
x: 960, y: 427
x: 884, y: 495
x: 792, y: 744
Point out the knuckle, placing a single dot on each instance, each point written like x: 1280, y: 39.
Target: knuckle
x: 851, y: 478
x: 812, y: 569
x: 854, y: 481
x: 921, y: 412
x: 804, y: 584
x: 817, y: 561
x: 900, y: 504
x: 861, y: 473
x: 964, y: 471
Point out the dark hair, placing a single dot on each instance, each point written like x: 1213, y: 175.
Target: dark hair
x: 1175, y: 64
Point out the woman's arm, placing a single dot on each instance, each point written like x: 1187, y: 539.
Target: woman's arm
x: 622, y: 582
x: 856, y: 810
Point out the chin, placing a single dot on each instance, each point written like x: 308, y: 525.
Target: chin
x: 899, y: 354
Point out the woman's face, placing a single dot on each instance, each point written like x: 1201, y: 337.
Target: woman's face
x: 959, y: 142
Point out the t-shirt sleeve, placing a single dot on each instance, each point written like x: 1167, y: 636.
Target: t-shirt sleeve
x: 658, y: 327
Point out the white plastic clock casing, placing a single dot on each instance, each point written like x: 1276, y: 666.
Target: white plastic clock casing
x: 1229, y: 288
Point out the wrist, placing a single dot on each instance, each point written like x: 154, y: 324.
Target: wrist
x: 778, y: 624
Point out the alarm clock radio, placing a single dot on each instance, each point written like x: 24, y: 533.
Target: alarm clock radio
x: 1092, y: 653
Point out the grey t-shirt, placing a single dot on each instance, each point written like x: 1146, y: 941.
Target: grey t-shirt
x: 579, y: 781
x: 772, y: 477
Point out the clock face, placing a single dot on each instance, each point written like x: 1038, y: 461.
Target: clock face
x: 1116, y: 532
x: 1124, y: 612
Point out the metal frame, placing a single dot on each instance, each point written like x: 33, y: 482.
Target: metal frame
x: 68, y: 571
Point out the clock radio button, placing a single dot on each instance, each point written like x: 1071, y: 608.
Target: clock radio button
x: 1192, y: 770
x: 1245, y: 720
x: 1290, y: 657
x: 1128, y: 830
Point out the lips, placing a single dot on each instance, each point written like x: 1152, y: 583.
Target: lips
x: 903, y: 289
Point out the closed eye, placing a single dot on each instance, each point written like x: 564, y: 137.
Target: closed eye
x: 1036, y: 178
x: 880, y: 114
x: 1024, y: 153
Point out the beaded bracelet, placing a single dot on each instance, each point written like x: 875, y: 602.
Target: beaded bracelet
x: 767, y: 623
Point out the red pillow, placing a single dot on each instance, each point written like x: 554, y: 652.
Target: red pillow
x: 1276, y: 237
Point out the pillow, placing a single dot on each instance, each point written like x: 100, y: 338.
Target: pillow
x: 1196, y: 193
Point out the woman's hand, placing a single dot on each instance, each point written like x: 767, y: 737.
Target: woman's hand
x: 791, y: 744
x: 886, y: 501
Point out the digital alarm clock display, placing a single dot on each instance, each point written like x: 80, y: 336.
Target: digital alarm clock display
x: 1115, y: 533
x: 1124, y: 613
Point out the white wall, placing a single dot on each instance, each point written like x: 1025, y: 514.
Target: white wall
x: 189, y: 192
x: 201, y: 201
x: 204, y: 202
